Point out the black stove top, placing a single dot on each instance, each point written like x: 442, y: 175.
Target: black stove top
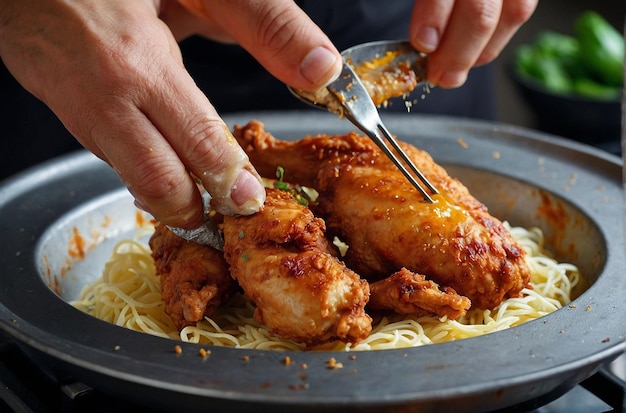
x: 26, y: 388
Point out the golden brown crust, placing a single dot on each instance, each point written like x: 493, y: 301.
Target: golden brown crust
x: 420, y: 258
x: 369, y: 203
x: 194, y: 278
x: 406, y: 292
x: 285, y: 265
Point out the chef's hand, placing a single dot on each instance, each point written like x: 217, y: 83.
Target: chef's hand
x: 113, y: 74
x: 464, y: 33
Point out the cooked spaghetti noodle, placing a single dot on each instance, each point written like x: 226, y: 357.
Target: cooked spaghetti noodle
x: 129, y: 295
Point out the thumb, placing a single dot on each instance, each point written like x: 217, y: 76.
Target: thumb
x: 279, y: 35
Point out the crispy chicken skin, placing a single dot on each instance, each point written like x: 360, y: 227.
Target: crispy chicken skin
x: 194, y: 278
x: 408, y: 293
x: 286, y: 266
x: 367, y: 202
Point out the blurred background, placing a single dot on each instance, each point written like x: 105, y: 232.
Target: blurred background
x: 513, y: 106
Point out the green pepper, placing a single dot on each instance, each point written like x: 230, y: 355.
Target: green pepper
x: 545, y: 63
x: 551, y: 73
x: 590, y: 63
x: 524, y: 60
x: 601, y: 48
x: 588, y: 88
x: 557, y: 45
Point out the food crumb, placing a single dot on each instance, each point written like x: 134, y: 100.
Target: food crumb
x: 462, y: 143
x: 204, y: 352
x: 334, y: 364
x: 246, y: 358
x: 178, y: 349
x: 116, y: 348
x: 352, y: 357
x: 287, y: 361
x: 606, y: 340
x: 496, y: 155
x: 304, y: 366
x: 572, y: 306
x: 302, y: 386
x: 588, y: 308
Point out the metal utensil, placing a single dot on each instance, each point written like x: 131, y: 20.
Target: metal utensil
x: 348, y: 97
x: 205, y: 234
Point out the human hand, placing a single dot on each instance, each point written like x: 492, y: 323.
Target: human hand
x: 465, y: 33
x: 113, y: 74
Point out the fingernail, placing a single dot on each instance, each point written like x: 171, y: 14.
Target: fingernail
x: 138, y: 201
x: 320, y: 66
x: 248, y: 192
x: 427, y: 39
x: 141, y: 205
x: 452, y: 79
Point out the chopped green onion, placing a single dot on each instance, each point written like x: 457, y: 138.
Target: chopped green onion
x: 301, y: 195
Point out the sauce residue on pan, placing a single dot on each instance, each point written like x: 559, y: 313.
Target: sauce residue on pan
x: 140, y: 219
x: 77, y: 245
x: 555, y: 214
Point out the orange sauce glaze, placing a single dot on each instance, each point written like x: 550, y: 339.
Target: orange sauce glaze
x: 384, y: 80
x: 77, y: 249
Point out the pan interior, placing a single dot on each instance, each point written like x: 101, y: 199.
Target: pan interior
x: 72, y: 252
x: 62, y: 219
x: 570, y: 234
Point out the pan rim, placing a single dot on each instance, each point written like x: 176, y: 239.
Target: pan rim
x: 21, y: 327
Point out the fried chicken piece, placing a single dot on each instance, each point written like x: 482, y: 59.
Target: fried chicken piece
x: 287, y: 267
x: 383, y: 80
x: 408, y: 293
x: 366, y: 200
x: 194, y: 278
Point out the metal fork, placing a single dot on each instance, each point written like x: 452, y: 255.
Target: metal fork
x: 349, y: 93
x: 207, y: 233
x: 347, y: 96
x: 360, y: 110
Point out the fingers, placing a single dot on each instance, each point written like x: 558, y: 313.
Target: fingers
x: 169, y: 131
x: 461, y: 34
x: 514, y: 14
x: 428, y: 23
x: 149, y: 167
x: 279, y: 35
x: 113, y: 74
x: 206, y: 146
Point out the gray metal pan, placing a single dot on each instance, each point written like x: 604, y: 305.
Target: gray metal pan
x: 573, y: 192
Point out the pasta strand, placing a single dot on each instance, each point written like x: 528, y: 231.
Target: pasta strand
x: 129, y: 295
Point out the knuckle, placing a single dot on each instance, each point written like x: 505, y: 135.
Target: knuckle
x: 167, y: 192
x: 485, y: 16
x: 157, y: 178
x: 204, y: 148
x: 277, y: 29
